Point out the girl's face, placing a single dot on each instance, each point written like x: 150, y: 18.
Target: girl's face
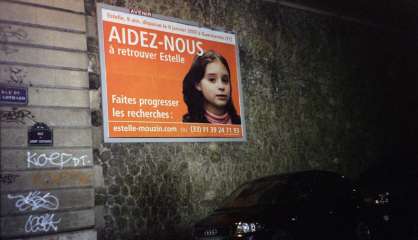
x: 215, y: 87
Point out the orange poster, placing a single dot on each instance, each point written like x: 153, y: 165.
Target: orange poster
x: 165, y: 80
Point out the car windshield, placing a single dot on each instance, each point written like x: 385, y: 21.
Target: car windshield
x: 258, y: 193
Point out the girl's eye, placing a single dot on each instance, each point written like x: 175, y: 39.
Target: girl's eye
x: 225, y: 79
x: 212, y: 79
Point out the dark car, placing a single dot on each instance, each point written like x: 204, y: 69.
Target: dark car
x: 301, y: 205
x: 390, y: 193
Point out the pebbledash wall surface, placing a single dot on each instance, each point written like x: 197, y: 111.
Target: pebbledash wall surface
x: 319, y: 92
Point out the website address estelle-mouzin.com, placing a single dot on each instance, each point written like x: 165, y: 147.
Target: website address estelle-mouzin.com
x: 130, y: 128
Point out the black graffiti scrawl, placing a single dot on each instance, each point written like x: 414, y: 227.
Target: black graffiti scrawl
x: 8, y: 34
x: 16, y: 115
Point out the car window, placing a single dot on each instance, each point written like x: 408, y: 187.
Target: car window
x: 270, y: 192
x: 254, y: 193
x: 334, y: 192
x: 333, y: 187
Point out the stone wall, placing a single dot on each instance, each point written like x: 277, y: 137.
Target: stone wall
x: 319, y: 93
x: 315, y: 95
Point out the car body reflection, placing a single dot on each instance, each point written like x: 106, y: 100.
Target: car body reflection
x: 301, y: 205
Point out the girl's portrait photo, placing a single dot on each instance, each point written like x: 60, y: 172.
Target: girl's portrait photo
x: 207, y: 91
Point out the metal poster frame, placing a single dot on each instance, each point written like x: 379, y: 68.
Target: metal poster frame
x: 102, y: 9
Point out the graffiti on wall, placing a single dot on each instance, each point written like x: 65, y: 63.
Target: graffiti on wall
x: 17, y: 75
x: 59, y: 159
x: 16, y: 115
x: 42, y: 223
x: 8, y: 178
x: 81, y: 178
x: 9, y: 34
x: 34, y: 201
x: 14, y: 75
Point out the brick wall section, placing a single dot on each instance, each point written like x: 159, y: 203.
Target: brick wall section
x: 43, y: 46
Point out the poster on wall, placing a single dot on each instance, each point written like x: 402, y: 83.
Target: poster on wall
x: 167, y: 80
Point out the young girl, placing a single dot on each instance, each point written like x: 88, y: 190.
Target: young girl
x: 207, y: 91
